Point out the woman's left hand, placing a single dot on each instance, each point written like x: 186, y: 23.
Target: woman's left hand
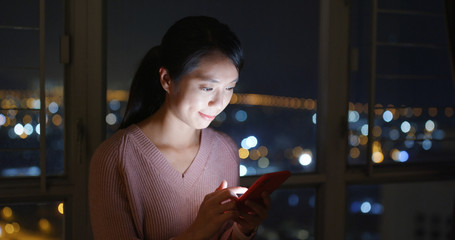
x: 249, y: 221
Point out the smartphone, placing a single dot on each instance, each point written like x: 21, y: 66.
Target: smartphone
x: 266, y: 183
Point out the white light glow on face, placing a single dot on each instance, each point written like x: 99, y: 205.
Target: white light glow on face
x: 243, y: 170
x: 353, y: 116
x: 405, y: 127
x: 429, y: 126
x: 18, y: 129
x: 387, y: 116
x: 305, y: 159
x: 364, y: 130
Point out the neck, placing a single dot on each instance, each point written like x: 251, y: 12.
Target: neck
x: 164, y: 129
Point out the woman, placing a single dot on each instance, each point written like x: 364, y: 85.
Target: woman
x: 165, y: 175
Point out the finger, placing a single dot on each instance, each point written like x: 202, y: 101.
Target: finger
x: 258, y: 209
x: 226, y: 194
x: 223, y: 185
x: 266, y: 200
x: 228, y: 206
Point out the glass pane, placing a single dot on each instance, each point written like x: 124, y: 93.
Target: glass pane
x: 414, y: 5
x: 20, y: 90
x: 275, y: 103
x: 19, y: 48
x: 44, y: 220
x: 415, y: 92
x: 11, y: 10
x: 20, y: 129
x: 292, y: 216
x: 17, y: 86
x: 401, y: 211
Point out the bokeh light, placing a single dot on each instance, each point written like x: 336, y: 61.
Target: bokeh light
x: 430, y: 126
x: 405, y: 127
x: 387, y: 116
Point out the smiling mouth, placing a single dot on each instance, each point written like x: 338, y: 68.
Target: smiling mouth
x: 207, y: 117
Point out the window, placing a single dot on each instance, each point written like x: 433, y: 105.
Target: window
x: 402, y: 86
x: 43, y: 146
x: 31, y: 91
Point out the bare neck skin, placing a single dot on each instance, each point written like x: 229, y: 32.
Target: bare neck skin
x: 178, y: 142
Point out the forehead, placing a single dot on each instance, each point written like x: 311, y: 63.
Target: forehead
x: 214, y: 67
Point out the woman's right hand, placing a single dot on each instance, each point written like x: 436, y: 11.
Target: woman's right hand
x: 217, y: 208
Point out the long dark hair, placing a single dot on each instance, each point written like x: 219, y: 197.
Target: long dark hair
x: 181, y: 49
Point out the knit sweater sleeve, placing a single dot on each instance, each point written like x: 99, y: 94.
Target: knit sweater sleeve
x: 110, y: 211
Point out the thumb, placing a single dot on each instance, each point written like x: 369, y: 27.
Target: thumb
x: 223, y: 185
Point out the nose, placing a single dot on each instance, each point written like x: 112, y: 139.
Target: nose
x: 217, y: 100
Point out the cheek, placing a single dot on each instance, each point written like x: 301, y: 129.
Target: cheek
x: 227, y: 99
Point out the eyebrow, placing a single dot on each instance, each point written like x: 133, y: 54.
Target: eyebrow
x: 216, y: 81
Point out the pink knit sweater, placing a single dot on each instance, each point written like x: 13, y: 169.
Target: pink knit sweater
x: 135, y: 193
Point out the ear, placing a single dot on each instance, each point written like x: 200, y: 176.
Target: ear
x: 165, y: 79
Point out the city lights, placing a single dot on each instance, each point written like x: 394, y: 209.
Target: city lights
x: 242, y: 170
x: 429, y: 126
x: 426, y: 144
x: 293, y: 200
x: 53, y: 107
x: 387, y: 116
x: 241, y: 116
x: 353, y: 116
x: 18, y: 129
x: 403, y: 156
x: 114, y: 105
x: 405, y: 127
x: 243, y: 153
x: 364, y: 130
x: 263, y: 162
x: 249, y: 142
x: 60, y: 208
x: 305, y: 159
x: 2, y: 119
x: 111, y: 119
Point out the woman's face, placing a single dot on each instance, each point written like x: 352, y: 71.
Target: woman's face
x: 203, y: 93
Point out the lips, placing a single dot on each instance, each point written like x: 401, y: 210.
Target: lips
x: 207, y: 117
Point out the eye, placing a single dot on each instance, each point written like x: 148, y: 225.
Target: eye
x: 230, y: 88
x: 206, y: 89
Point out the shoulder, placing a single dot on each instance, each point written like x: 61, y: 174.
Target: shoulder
x: 112, y: 148
x: 220, y: 137
x: 222, y: 142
